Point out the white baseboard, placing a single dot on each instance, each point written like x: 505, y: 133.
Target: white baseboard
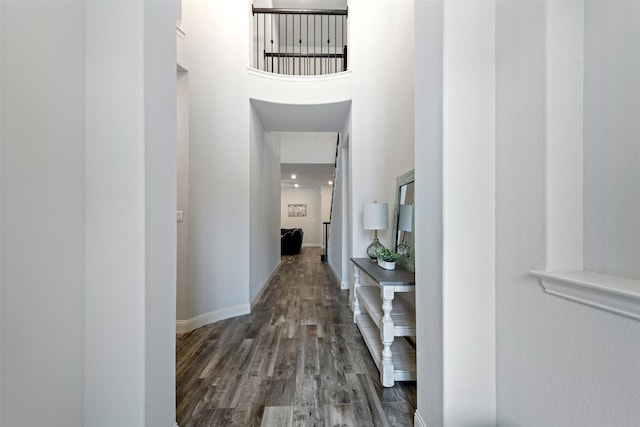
x: 189, y: 325
x: 176, y: 424
x: 264, y: 285
x: 337, y: 277
x: 311, y: 245
x: 418, y: 421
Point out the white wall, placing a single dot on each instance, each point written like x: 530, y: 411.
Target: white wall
x: 310, y: 224
x: 428, y: 208
x: 182, y: 276
x: 130, y: 222
x: 578, y: 363
x: 468, y: 276
x: 43, y: 217
x: 160, y: 221
x: 88, y: 200
x: 325, y: 199
x: 611, y: 135
x: 520, y: 141
x: 382, y: 134
x: 265, y: 206
x: 219, y: 155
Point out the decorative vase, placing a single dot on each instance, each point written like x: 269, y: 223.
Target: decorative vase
x: 387, y: 265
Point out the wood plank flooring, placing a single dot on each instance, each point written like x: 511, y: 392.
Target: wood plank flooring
x: 296, y: 360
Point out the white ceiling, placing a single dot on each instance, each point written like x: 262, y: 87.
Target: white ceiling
x: 309, y: 155
x: 302, y: 118
x: 306, y: 147
x: 307, y: 175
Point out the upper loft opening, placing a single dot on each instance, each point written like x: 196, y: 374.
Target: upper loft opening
x: 300, y: 38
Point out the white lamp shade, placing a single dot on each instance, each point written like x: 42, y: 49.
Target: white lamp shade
x: 404, y: 217
x: 375, y: 216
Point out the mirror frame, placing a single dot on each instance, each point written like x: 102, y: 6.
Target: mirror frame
x: 405, y: 262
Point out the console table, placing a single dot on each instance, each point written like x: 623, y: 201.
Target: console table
x: 380, y: 319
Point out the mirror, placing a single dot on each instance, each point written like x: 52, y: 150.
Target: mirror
x: 404, y: 221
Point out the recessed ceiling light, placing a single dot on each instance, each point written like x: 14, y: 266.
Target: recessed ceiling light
x: 330, y: 182
x: 296, y: 185
x: 293, y: 176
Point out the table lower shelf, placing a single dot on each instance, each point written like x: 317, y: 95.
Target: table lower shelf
x: 403, y: 355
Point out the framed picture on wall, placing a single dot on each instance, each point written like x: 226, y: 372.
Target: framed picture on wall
x: 297, y: 210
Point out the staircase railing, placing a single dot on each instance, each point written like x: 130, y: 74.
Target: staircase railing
x: 325, y: 255
x: 292, y: 41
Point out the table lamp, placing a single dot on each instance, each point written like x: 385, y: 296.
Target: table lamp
x: 375, y: 217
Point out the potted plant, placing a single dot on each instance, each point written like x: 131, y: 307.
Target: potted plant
x: 387, y: 258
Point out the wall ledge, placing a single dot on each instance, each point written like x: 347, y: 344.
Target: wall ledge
x: 619, y: 295
x: 299, y: 78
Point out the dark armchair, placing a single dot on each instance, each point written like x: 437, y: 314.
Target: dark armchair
x: 290, y: 241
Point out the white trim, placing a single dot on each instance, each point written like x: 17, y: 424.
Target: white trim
x: 180, y: 32
x: 176, y: 424
x: 418, y: 421
x: 189, y: 325
x: 295, y: 78
x: 311, y: 245
x: 264, y: 285
x: 619, y: 295
x: 343, y: 284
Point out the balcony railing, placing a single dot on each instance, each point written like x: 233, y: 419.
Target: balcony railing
x: 300, y: 41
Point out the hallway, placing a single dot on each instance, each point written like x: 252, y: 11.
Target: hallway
x: 296, y: 360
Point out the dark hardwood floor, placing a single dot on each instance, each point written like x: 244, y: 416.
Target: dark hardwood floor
x: 296, y: 360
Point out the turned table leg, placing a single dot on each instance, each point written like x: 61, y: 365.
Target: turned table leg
x: 387, y: 335
x: 356, y: 285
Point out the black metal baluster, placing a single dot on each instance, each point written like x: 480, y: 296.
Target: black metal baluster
x: 344, y: 68
x: 300, y: 43
x: 335, y: 43
x: 306, y: 66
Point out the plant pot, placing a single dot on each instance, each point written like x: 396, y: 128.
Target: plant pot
x: 387, y: 265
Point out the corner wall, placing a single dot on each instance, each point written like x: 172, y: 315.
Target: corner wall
x: 428, y: 207
x: 130, y: 254
x: 265, y: 206
x: 219, y: 192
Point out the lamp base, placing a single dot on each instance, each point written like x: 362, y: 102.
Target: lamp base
x: 373, y: 249
x: 403, y: 249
